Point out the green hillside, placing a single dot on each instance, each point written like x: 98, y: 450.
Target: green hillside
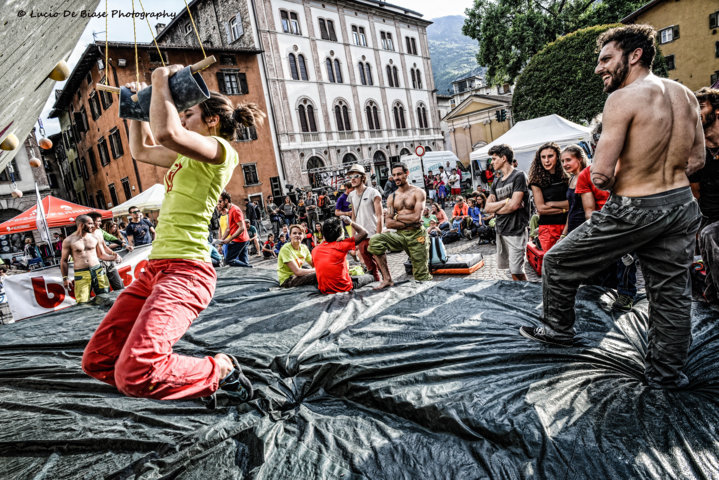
x: 452, y: 54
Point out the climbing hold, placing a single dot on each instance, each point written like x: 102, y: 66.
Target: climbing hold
x: 10, y: 143
x: 17, y: 193
x: 60, y: 72
x: 35, y: 162
x: 45, y: 143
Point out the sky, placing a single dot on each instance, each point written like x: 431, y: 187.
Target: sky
x: 121, y: 28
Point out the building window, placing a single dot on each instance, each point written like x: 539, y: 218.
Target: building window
x: 392, y: 76
x: 358, y: 36
x: 422, y: 116
x: 714, y: 78
x: 126, y: 188
x: 365, y: 72
x: 411, y: 45
x: 368, y: 72
x: 276, y: 187
x: 113, y: 194
x: 716, y: 49
x: 294, y: 73
x: 338, y: 71
x: 250, y: 173
x: 399, y: 121
x: 232, y: 82
x: 228, y: 60
x: 363, y: 79
x: 234, y: 28
x: 89, y: 78
x: 306, y: 114
x: 83, y: 168
x: 155, y: 57
x: 95, y: 109
x: 387, y: 43
x: 100, y: 198
x: 93, y: 161
x: 372, y: 116
x: 342, y: 117
x: 390, y: 81
x: 668, y: 34
x: 5, y: 174
x: 327, y: 30
x: 116, y: 143
x: 330, y: 70
x: 303, y: 67
x: 290, y: 22
x: 670, y: 62
x: 247, y: 134
x: 714, y: 20
x: 105, y: 99
x: 416, y: 78
x: 102, y: 149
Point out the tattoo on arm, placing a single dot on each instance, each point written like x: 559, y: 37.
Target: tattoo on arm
x: 604, y: 182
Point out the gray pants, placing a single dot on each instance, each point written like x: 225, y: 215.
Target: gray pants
x: 709, y: 247
x: 295, y: 281
x: 661, y: 230
x: 113, y: 276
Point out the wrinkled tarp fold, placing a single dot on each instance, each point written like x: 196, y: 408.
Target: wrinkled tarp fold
x: 421, y: 381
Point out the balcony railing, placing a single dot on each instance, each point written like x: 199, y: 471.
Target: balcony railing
x: 346, y: 135
x: 308, y: 137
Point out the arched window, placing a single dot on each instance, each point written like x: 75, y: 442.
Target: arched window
x: 314, y: 163
x: 399, y: 120
x: 411, y: 73
x: 349, y: 158
x: 372, y: 113
x: 363, y: 79
x: 306, y: 113
x: 422, y: 116
x: 330, y: 71
x: 419, y: 78
x: 390, y: 81
x: 293, y: 67
x: 396, y: 76
x: 368, y: 71
x: 404, y: 152
x: 342, y: 117
x: 338, y: 71
x: 303, y: 67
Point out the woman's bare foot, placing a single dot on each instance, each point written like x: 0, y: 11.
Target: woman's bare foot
x: 225, y: 364
x: 384, y: 284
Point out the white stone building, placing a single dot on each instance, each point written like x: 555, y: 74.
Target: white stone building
x: 350, y: 81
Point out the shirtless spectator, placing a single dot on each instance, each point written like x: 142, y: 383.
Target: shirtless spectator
x: 404, y: 214
x: 705, y: 186
x: 651, y: 139
x: 86, y: 251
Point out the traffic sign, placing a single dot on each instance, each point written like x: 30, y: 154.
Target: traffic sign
x: 419, y: 150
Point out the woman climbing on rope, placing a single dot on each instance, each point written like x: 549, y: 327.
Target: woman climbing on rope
x: 132, y: 347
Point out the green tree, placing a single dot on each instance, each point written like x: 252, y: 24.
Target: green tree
x: 560, y: 79
x: 510, y: 32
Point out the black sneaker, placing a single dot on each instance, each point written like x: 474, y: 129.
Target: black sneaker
x: 235, y: 384
x: 537, y: 333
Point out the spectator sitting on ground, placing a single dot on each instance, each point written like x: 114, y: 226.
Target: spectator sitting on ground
x: 426, y: 217
x: 292, y: 257
x: 330, y: 257
x: 308, y: 239
x: 268, y: 249
x: 442, y: 219
x: 460, y: 215
x: 317, y: 233
x: 254, y: 237
x: 281, y: 241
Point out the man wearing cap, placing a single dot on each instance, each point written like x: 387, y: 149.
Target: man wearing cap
x: 366, y: 212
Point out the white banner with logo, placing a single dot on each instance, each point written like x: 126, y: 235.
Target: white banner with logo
x: 42, y: 291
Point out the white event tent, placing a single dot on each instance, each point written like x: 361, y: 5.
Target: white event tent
x: 150, y: 199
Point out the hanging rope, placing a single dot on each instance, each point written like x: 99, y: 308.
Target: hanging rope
x: 107, y: 64
x: 195, y: 28
x: 147, y: 19
x: 134, y: 35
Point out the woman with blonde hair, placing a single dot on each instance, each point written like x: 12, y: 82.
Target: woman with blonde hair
x: 574, y: 160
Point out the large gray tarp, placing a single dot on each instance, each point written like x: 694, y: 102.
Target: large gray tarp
x: 421, y: 381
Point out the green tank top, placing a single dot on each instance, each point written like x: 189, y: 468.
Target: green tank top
x: 192, y: 189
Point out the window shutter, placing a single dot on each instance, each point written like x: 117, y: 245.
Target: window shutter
x: 713, y: 20
x: 240, y: 27
x: 221, y: 82
x: 243, y: 83
x: 228, y: 33
x: 675, y: 32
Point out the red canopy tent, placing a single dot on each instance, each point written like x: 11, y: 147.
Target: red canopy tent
x: 58, y: 212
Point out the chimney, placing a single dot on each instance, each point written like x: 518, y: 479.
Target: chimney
x: 159, y: 27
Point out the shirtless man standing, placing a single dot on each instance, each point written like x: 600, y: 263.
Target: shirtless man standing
x: 404, y: 214
x: 652, y: 138
x: 85, y: 249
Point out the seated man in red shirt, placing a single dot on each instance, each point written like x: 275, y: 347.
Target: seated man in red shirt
x: 460, y: 215
x: 330, y: 257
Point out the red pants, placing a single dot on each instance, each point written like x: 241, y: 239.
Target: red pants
x: 132, y: 347
x: 368, y: 259
x: 549, y: 235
